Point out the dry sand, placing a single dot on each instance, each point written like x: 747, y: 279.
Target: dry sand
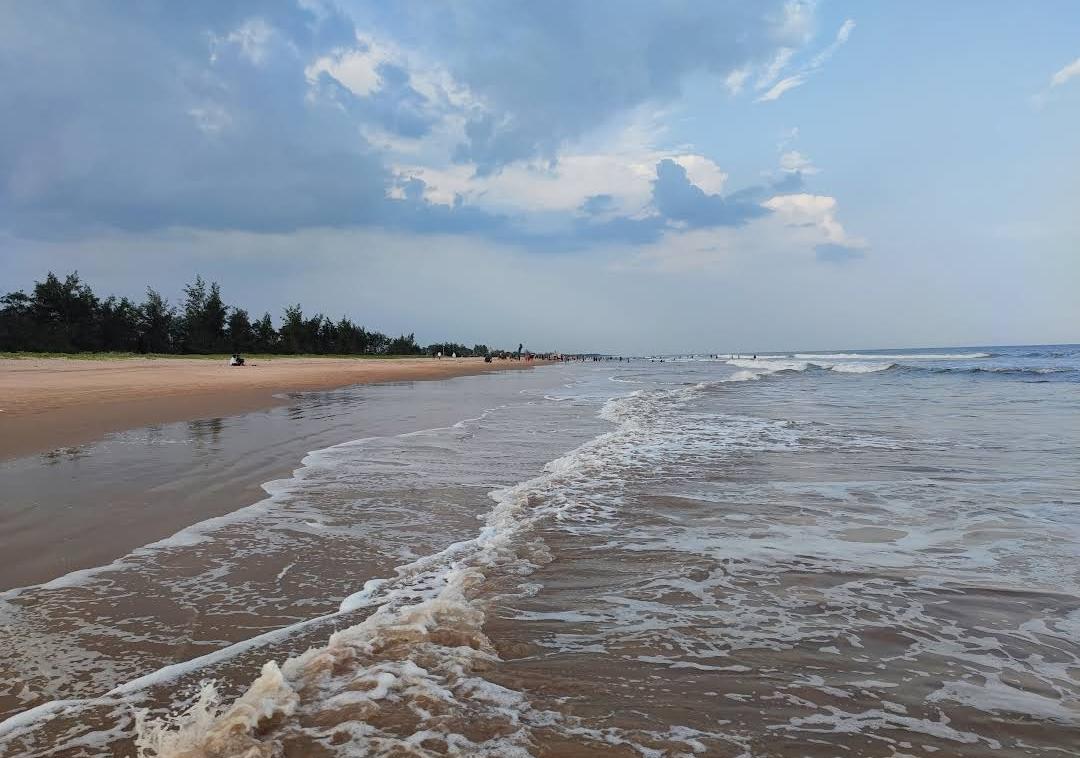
x: 46, y: 403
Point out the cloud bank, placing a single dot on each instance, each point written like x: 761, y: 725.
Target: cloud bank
x: 291, y: 115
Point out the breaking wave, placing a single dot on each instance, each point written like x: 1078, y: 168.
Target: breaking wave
x: 409, y: 677
x: 416, y: 659
x: 893, y: 356
x: 764, y: 366
x: 736, y: 555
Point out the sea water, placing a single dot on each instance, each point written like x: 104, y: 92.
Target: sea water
x: 865, y: 553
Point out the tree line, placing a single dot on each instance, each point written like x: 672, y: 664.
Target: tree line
x: 65, y: 316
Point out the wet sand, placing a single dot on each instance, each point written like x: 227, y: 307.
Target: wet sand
x: 84, y: 505
x: 49, y: 403
x: 291, y: 563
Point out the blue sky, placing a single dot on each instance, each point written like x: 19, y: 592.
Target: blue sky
x: 607, y: 175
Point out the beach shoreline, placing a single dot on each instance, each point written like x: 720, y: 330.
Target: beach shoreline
x: 52, y: 403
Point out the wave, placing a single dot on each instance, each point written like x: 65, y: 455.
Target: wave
x: 861, y: 363
x: 1056, y: 353
x: 893, y: 356
x: 419, y: 650
x: 763, y: 366
x: 860, y: 368
x: 999, y: 370
x: 757, y: 368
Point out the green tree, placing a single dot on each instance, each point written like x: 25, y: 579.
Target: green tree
x: 203, y: 318
x: 292, y: 330
x: 266, y: 337
x: 17, y: 327
x: 214, y: 316
x: 191, y: 315
x: 118, y: 324
x: 64, y: 314
x: 403, y: 345
x: 156, y: 324
x: 241, y: 336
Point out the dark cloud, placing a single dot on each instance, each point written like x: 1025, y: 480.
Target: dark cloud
x: 397, y: 106
x: 551, y: 71
x: 598, y: 204
x: 792, y: 181
x: 633, y: 231
x: 164, y: 114
x: 679, y: 199
x: 201, y: 114
x: 415, y: 213
x: 195, y: 114
x: 675, y: 199
x: 838, y: 254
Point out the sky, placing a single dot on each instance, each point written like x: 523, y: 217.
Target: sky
x: 636, y: 177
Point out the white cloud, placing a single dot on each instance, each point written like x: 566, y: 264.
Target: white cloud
x: 1065, y: 74
x: 842, y: 36
x: 772, y: 72
x: 793, y: 161
x: 1058, y: 79
x: 799, y: 223
x: 253, y: 38
x: 210, y: 118
x: 539, y: 186
x: 356, y: 69
x: 798, y: 19
x: 622, y: 166
x: 564, y: 185
x: 782, y: 86
x: 736, y: 80
x: 817, y: 212
x: 700, y: 170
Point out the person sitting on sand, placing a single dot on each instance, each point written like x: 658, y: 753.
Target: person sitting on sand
x: 236, y: 360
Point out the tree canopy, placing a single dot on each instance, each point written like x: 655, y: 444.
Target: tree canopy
x: 65, y: 316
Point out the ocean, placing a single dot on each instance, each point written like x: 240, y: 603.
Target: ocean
x: 864, y: 553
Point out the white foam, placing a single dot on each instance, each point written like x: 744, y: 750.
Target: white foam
x: 858, y: 368
x: 996, y: 695
x: 768, y: 365
x: 763, y: 366
x: 426, y: 597
x: 892, y: 356
x: 202, y: 531
x: 835, y: 720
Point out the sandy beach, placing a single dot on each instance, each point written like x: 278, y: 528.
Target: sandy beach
x: 49, y: 403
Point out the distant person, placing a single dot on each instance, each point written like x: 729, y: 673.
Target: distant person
x: 439, y: 355
x: 236, y: 360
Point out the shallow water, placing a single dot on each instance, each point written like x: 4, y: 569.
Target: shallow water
x: 855, y: 553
